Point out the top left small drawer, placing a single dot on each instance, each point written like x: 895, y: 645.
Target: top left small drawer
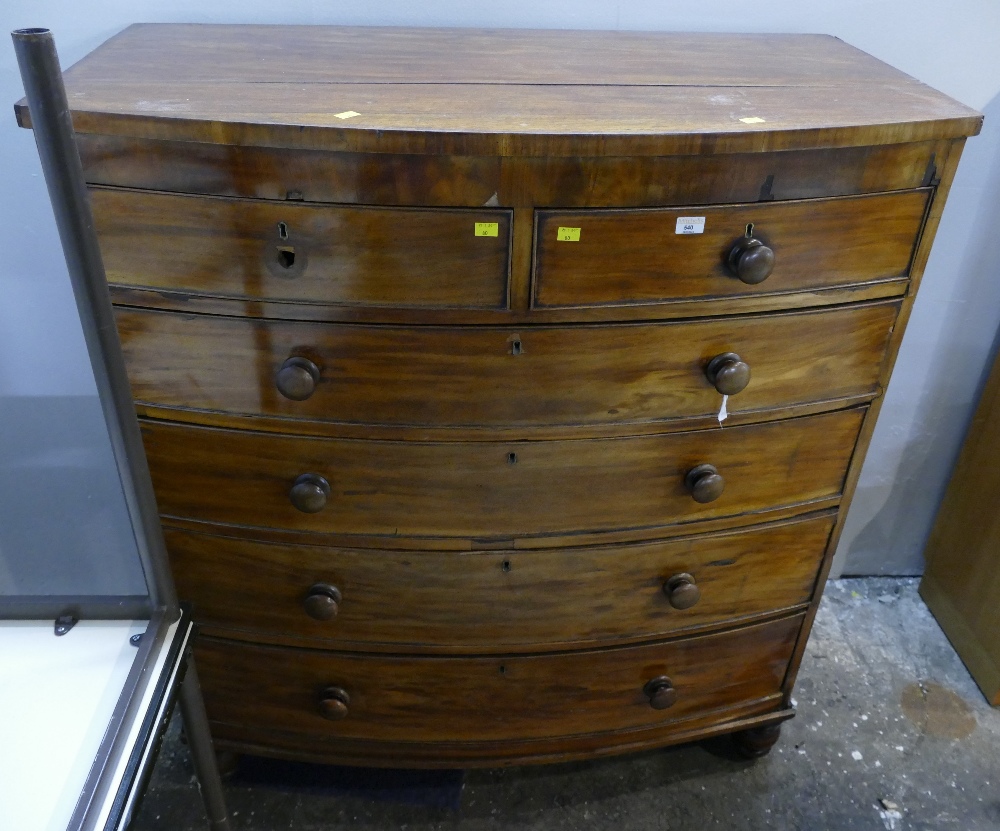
x: 250, y: 249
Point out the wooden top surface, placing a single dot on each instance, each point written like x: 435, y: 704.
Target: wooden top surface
x: 506, y: 92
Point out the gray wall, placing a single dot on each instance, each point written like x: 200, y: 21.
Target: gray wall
x: 953, y: 47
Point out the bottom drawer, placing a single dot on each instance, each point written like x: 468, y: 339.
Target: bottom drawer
x: 400, y: 699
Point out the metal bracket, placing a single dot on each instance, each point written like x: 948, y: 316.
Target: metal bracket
x: 64, y: 623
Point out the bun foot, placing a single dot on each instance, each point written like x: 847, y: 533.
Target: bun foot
x: 757, y: 742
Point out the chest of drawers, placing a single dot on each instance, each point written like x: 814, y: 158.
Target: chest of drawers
x: 504, y: 391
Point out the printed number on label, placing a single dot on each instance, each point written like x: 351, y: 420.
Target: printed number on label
x: 690, y: 225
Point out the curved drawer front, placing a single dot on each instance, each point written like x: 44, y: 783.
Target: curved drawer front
x: 494, y: 601
x: 446, y: 699
x: 249, y: 249
x: 500, y: 377
x: 638, y: 256
x: 492, y: 489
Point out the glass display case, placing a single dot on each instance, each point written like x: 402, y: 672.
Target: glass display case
x: 94, y: 649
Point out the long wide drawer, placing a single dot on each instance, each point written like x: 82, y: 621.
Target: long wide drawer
x: 342, y: 255
x: 494, y: 489
x: 625, y: 257
x: 503, y: 698
x: 499, y: 377
x: 494, y: 601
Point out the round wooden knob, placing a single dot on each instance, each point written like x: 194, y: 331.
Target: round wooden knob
x: 728, y: 373
x: 322, y: 602
x: 751, y: 260
x: 309, y: 493
x: 661, y: 692
x: 704, y: 483
x: 333, y: 703
x: 682, y: 591
x: 297, y: 378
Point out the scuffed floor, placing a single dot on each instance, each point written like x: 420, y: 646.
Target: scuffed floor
x: 891, y: 733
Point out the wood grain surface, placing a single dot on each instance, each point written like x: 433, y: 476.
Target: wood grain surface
x: 471, y: 181
x: 464, y: 91
x: 494, y: 601
x: 520, y: 283
x: 629, y: 257
x: 510, y: 697
x: 500, y: 378
x: 495, y: 489
x: 501, y: 427
x: 348, y: 255
x: 254, y: 740
x: 961, y: 583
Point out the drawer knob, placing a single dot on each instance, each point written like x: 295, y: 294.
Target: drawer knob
x: 751, y: 260
x: 682, y: 591
x: 704, y: 483
x: 322, y: 602
x: 309, y: 493
x: 661, y: 692
x: 728, y: 373
x: 297, y: 378
x: 333, y: 703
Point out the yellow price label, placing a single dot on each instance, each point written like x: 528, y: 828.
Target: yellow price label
x: 487, y: 229
x: 568, y: 235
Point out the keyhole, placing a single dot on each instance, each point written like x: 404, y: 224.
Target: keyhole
x: 282, y: 230
x: 505, y: 566
x: 286, y: 257
x: 515, y: 347
x: 512, y: 458
x: 750, y: 229
x: 503, y: 669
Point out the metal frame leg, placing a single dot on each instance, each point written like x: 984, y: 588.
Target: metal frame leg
x: 202, y: 752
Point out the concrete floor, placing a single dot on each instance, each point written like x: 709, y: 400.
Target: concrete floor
x: 886, y: 711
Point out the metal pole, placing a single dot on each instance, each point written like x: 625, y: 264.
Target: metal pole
x: 52, y: 125
x: 202, y: 753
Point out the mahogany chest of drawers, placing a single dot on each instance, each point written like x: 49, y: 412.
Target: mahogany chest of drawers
x: 504, y: 391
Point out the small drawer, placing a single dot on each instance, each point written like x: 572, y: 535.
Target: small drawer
x: 307, y: 253
x: 495, y: 489
x: 502, y: 377
x: 627, y: 257
x: 326, y: 696
x: 494, y: 601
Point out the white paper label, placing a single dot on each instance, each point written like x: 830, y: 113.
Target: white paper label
x: 690, y: 225
x: 723, y: 412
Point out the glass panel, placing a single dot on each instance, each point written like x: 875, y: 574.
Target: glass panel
x: 64, y: 527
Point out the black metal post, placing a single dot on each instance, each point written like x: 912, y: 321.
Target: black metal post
x: 202, y: 753
x: 52, y: 125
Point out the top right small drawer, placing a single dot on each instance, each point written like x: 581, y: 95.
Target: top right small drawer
x: 649, y: 256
